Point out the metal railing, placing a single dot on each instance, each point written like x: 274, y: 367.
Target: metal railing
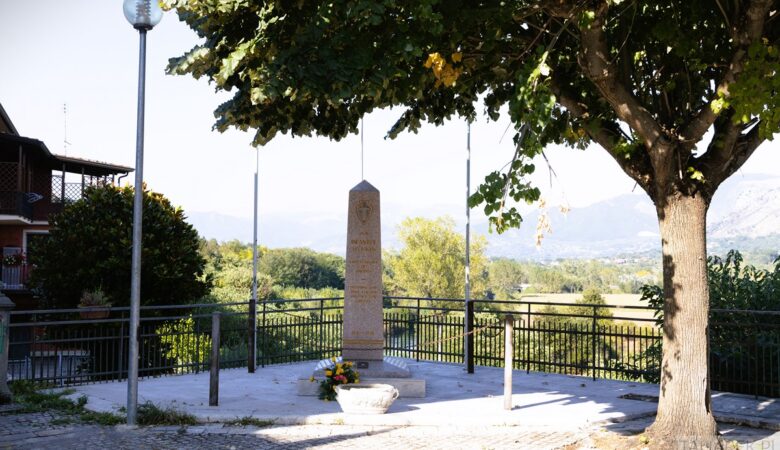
x: 598, y: 341
x: 14, y: 277
x: 56, y: 347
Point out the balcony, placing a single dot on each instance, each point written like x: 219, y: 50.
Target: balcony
x: 16, y: 204
x: 14, y: 278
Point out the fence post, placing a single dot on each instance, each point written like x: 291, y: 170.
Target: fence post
x: 263, y: 343
x: 121, y: 355
x: 528, y: 342
x: 508, y: 361
x: 417, y: 332
x: 469, y: 338
x: 198, y: 359
x: 593, y: 352
x: 251, y: 358
x: 214, y: 376
x: 322, y: 328
x: 6, y: 305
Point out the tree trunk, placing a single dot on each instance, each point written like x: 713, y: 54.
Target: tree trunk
x: 684, y: 417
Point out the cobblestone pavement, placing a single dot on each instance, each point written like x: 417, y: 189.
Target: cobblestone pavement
x: 52, y: 431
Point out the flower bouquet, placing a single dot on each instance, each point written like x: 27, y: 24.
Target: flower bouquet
x: 337, y: 374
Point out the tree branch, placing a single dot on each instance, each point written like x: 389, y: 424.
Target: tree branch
x: 596, y: 64
x: 749, y: 30
x: 595, y: 61
x: 742, y: 150
x: 718, y: 151
x: 607, y: 137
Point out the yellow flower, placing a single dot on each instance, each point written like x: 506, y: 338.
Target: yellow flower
x: 328, y: 373
x: 444, y: 72
x: 357, y: 380
x: 339, y: 370
x: 311, y: 378
x: 333, y: 358
x: 347, y: 364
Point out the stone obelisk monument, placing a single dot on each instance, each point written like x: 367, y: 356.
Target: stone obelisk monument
x: 363, y: 331
x: 363, y: 339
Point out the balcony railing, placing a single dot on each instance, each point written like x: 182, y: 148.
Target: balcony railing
x: 15, y: 277
x: 15, y: 204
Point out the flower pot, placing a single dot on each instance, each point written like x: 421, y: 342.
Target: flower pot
x: 94, y: 312
x: 365, y: 398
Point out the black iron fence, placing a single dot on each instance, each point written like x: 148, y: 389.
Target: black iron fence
x: 745, y: 351
x: 598, y: 341
x: 78, y: 346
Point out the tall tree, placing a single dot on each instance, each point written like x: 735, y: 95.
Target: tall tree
x: 645, y: 80
x: 89, y: 248
x: 303, y: 267
x: 505, y: 278
x: 431, y: 262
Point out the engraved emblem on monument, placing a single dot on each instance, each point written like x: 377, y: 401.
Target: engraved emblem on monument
x: 363, y: 210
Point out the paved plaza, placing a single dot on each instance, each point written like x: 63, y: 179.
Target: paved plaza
x: 460, y: 411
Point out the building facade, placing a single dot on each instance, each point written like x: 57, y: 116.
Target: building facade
x: 34, y: 184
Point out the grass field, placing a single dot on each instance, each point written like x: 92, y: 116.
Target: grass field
x: 617, y: 301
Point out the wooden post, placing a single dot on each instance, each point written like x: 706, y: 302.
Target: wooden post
x: 62, y: 188
x: 19, y: 169
x: 508, y: 353
x: 214, y: 376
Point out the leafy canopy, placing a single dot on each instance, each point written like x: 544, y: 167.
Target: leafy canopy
x: 643, y: 79
x: 90, y: 244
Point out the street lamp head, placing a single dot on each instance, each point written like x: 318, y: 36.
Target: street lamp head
x: 142, y: 14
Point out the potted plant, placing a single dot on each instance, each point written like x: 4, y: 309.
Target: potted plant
x: 94, y: 304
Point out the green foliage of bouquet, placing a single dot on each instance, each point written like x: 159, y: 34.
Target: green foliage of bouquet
x: 339, y: 373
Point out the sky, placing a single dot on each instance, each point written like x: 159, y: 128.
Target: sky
x: 84, y: 54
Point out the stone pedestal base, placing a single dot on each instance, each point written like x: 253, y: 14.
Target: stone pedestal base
x: 390, y: 370
x: 389, y: 367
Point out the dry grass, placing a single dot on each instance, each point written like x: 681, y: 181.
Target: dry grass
x: 610, y: 299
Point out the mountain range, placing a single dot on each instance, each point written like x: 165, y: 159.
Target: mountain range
x: 744, y: 208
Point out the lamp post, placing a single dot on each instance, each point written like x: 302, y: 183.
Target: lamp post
x: 468, y: 344
x: 252, y: 362
x: 143, y: 15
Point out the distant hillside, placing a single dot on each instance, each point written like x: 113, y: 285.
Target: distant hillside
x: 746, y: 211
x: 749, y: 207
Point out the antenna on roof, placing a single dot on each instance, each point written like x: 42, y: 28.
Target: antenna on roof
x: 65, y: 142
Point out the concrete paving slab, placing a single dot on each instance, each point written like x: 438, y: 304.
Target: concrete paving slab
x: 453, y: 398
